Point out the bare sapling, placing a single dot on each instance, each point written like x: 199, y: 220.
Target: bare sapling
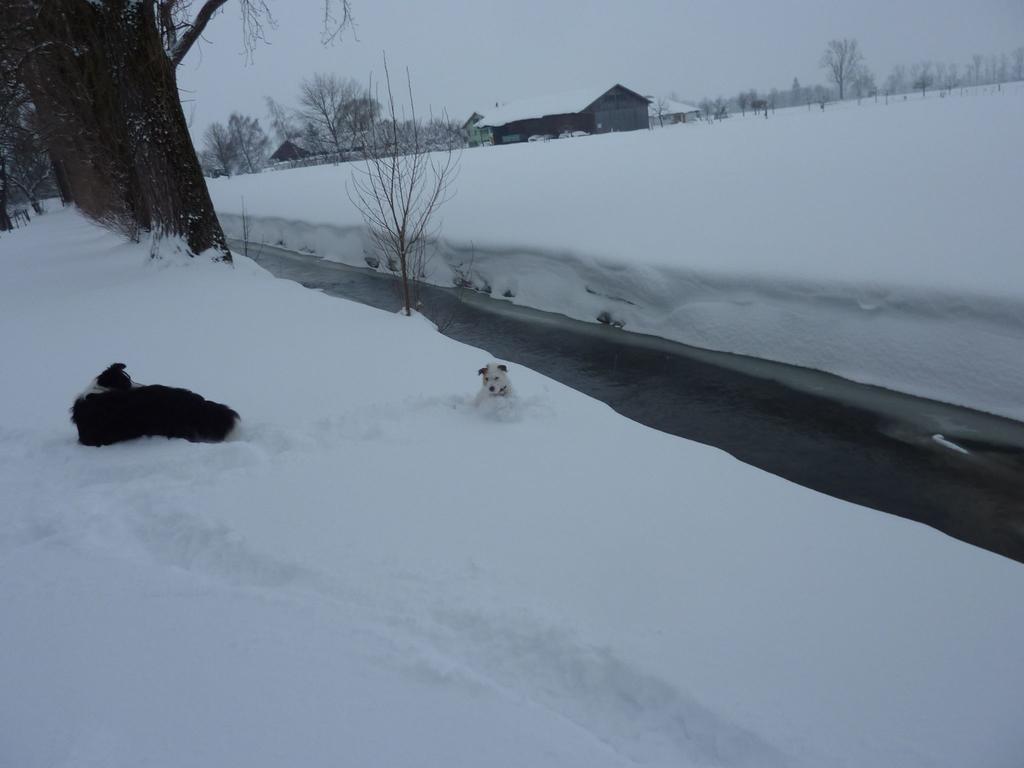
x: 399, y: 187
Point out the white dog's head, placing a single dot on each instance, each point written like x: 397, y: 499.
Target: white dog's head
x: 495, y: 380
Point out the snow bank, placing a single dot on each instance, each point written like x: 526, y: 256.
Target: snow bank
x: 875, y: 242
x: 376, y: 573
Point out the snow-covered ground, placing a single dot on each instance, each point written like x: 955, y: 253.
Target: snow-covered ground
x: 376, y: 573
x: 876, y: 242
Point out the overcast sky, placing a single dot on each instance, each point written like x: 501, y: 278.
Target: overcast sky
x: 465, y: 55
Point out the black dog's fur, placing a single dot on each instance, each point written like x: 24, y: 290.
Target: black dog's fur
x: 114, y: 409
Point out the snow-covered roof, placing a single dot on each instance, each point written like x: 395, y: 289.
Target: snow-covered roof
x: 671, y: 107
x: 565, y: 103
x: 471, y: 120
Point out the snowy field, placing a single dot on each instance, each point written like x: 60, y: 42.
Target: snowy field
x: 876, y: 242
x: 376, y: 573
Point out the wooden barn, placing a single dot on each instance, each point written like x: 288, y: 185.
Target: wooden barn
x: 590, y: 111
x: 288, y: 150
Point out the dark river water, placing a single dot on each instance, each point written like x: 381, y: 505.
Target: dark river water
x: 863, y: 444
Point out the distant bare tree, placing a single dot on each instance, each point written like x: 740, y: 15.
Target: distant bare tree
x: 921, y: 76
x: 863, y: 83
x: 707, y: 109
x: 336, y: 110
x: 990, y: 69
x: 220, y: 152
x: 896, y: 82
x: 976, y: 62
x: 25, y: 167
x: 660, y: 109
x: 821, y: 96
x: 13, y: 103
x: 400, y: 188
x: 952, y: 77
x: 1018, y: 63
x: 31, y: 169
x: 841, y: 60
x: 742, y: 101
x: 251, y: 142
x: 320, y: 100
x: 283, y: 121
x: 437, y: 134
x: 361, y: 113
x: 755, y: 102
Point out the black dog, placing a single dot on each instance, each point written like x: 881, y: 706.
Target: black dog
x: 114, y: 408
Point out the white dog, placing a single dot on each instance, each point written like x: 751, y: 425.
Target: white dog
x: 495, y: 382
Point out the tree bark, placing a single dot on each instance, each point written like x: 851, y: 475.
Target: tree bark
x: 60, y: 177
x: 104, y: 85
x: 5, y: 220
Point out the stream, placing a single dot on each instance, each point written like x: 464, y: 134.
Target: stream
x: 956, y: 469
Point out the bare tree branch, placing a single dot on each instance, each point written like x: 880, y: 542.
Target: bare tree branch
x: 180, y: 34
x: 195, y: 29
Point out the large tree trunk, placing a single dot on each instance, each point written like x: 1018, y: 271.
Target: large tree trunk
x: 5, y: 220
x: 60, y: 178
x: 107, y: 91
